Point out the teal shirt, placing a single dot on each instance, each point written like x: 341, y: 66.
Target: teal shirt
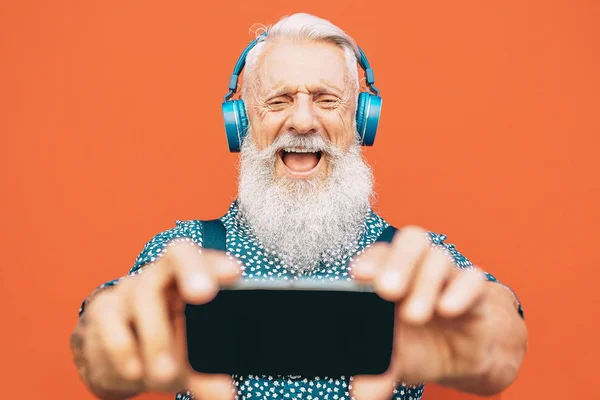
x: 258, y: 264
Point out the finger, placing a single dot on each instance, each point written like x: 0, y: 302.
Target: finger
x: 198, y: 272
x: 417, y: 357
x: 117, y: 338
x: 372, y: 387
x: 365, y: 267
x: 195, y: 283
x: 150, y: 314
x: 406, y: 253
x: 430, y: 278
x: 225, y: 269
x: 462, y: 293
x: 214, y: 386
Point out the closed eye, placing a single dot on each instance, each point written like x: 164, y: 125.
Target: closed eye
x: 278, y: 102
x: 327, y: 101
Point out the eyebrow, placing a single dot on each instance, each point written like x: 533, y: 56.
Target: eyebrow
x: 323, y: 87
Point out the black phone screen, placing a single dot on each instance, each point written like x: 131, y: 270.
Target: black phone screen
x: 291, y: 332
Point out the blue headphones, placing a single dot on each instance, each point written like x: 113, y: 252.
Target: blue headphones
x: 368, y: 109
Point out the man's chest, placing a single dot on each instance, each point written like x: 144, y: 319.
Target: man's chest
x: 259, y: 263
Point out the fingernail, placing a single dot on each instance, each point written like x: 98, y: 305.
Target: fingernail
x: 363, y: 266
x: 199, y: 283
x: 390, y: 280
x: 416, y: 309
x: 451, y: 303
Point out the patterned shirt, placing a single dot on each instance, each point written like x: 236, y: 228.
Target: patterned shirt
x: 259, y: 263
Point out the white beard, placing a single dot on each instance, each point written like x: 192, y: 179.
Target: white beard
x: 305, y: 221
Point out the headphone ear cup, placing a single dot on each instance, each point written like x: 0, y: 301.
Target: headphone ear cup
x: 360, y: 115
x: 368, y: 112
x: 243, y: 119
x: 236, y: 123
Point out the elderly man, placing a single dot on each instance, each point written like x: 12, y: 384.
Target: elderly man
x: 303, y: 210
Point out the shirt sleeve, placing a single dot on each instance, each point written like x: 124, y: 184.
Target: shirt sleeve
x: 183, y: 231
x: 463, y: 263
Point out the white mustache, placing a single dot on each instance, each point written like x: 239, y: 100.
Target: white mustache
x: 313, y: 142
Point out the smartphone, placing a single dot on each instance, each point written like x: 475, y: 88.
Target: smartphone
x: 298, y: 327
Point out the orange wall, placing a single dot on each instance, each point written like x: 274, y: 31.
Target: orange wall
x: 111, y: 130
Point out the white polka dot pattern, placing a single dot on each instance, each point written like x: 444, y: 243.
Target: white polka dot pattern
x: 259, y: 263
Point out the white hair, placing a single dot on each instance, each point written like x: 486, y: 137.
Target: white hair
x: 304, y: 27
x: 305, y: 222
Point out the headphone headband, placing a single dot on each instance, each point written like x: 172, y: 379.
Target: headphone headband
x: 241, y: 62
x: 368, y: 108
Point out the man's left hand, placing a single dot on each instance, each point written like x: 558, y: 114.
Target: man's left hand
x: 446, y: 321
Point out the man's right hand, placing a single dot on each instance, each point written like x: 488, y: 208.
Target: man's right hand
x: 131, y: 338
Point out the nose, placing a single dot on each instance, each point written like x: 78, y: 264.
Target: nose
x: 303, y: 118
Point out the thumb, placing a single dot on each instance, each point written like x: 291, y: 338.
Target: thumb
x: 211, y: 386
x: 373, y: 387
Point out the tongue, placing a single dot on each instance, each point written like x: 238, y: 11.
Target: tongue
x: 300, y: 162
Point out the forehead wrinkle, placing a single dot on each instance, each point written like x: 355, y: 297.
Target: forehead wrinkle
x: 273, y: 82
x: 283, y: 87
x: 279, y: 88
x: 326, y: 85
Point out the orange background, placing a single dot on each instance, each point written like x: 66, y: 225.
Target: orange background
x: 111, y: 130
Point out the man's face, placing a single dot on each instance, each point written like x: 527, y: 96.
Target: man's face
x: 306, y: 207
x: 302, y: 89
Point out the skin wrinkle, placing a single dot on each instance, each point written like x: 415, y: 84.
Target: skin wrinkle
x: 330, y: 207
x: 253, y: 82
x: 282, y: 87
x: 267, y: 74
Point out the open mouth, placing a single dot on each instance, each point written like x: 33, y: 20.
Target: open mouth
x: 300, y: 161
